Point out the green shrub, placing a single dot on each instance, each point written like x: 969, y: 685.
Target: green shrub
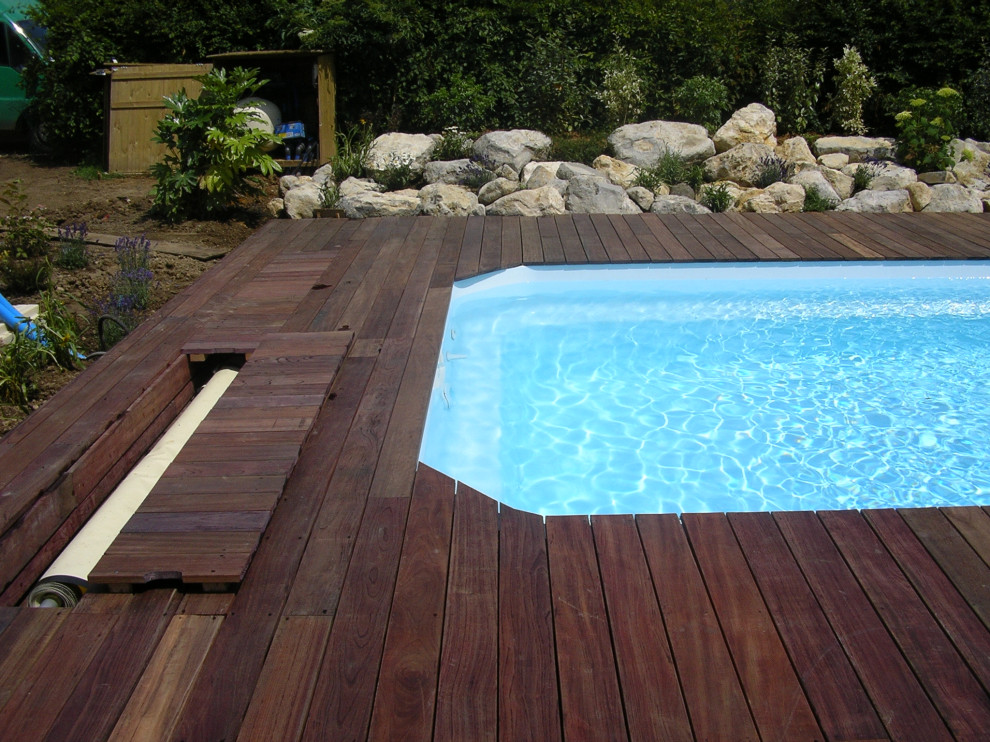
x: 554, y: 95
x: 329, y: 195
x: 717, y: 198
x: 397, y: 174
x: 792, y: 82
x: 583, y: 148
x: 853, y: 86
x: 925, y: 128
x: 622, y: 91
x: 671, y: 169
x: 353, y: 145
x: 815, y: 200
x: 72, y: 251
x: 23, y: 243
x: 702, y: 100
x: 454, y: 144
x: 772, y: 169
x: 977, y: 88
x: 211, y: 150
x: 461, y: 102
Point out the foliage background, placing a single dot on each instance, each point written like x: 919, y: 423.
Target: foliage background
x: 420, y: 65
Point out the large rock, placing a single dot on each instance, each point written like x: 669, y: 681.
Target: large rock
x: 878, y: 202
x: 514, y: 148
x: 857, y: 148
x: 921, y: 195
x: 443, y: 199
x: 834, y: 161
x: 954, y: 197
x: 893, y: 178
x: 367, y: 203
x: 568, y: 170
x: 530, y: 168
x: 394, y: 148
x: 973, y: 173
x: 538, y: 176
x: 643, y: 144
x: 777, y: 198
x: 754, y: 124
x: 302, y: 201
x: 353, y: 186
x: 677, y: 205
x: 592, y: 194
x: 809, y: 179
x: 739, y: 164
x: 323, y: 174
x: 796, y: 150
x: 841, y: 183
x: 545, y: 201
x: 287, y: 182
x: 450, y: 172
x: 493, y: 190
x: 618, y: 172
x: 643, y: 197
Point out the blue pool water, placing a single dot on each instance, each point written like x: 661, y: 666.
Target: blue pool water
x: 718, y: 388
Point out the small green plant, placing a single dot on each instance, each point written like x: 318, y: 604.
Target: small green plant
x: 59, y: 330
x: 967, y: 156
x: 926, y: 127
x: 702, y: 100
x: 622, y: 90
x: 352, y: 149
x: 20, y: 361
x: 583, y: 148
x: 853, y: 87
x: 211, y: 151
x: 398, y: 172
x: 865, y: 173
x: 93, y: 172
x: 72, y: 251
x: 23, y: 243
x: 772, y: 169
x: 476, y: 176
x: 792, y: 82
x: 454, y: 144
x: 329, y: 195
x: 815, y: 200
x: 717, y: 198
x: 671, y: 169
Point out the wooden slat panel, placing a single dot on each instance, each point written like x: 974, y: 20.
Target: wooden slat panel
x: 470, y: 254
x: 899, y: 699
x: 617, y: 252
x: 553, y: 249
x: 961, y: 701
x: 590, y: 241
x: 342, y: 701
x: 491, y: 247
x: 569, y: 240
x: 764, y: 668
x: 164, y: 688
x: 512, y: 254
x: 650, y: 687
x: 974, y: 525
x: 22, y: 643
x: 284, y: 690
x: 532, y: 246
x: 526, y: 657
x: 589, y: 687
x: 841, y: 704
x: 714, y: 698
x: 407, y: 684
x: 467, y: 692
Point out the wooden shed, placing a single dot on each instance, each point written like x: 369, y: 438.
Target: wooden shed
x: 134, y: 106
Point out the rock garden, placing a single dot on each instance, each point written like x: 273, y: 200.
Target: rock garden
x: 656, y: 166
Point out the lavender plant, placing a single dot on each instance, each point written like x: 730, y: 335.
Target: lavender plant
x: 72, y: 250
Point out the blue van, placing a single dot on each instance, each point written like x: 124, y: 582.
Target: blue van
x: 22, y: 39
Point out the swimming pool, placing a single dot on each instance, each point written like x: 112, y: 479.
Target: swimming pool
x: 721, y: 387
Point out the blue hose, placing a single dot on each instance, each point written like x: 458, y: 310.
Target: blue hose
x: 16, y: 321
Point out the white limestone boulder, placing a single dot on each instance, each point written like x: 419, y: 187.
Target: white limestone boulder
x: 301, y: 202
x: 921, y: 195
x: 618, y: 172
x: 739, y: 164
x: 568, y: 170
x: 677, y: 205
x: 643, y: 144
x: 753, y: 124
x: 955, y: 198
x: 777, y: 198
x: 642, y: 197
x: 545, y: 201
x: 809, y: 179
x: 352, y: 186
x: 857, y: 149
x: 593, y: 194
x: 797, y: 151
x: 369, y: 203
x: 396, y: 148
x: 493, y: 190
x: 893, y: 178
x: 444, y: 199
x: 515, y: 148
x: 451, y: 172
x: 878, y: 202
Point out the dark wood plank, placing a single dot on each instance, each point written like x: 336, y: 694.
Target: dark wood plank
x: 450, y: 249
x: 950, y: 609
x: 711, y: 688
x: 974, y: 525
x: 570, y: 241
x: 22, y: 643
x: 722, y: 245
x: 616, y: 251
x: 526, y: 656
x: 470, y: 253
x: 649, y: 242
x: 836, y: 694
x: 687, y: 244
x: 778, y: 250
x: 766, y: 673
x: 553, y: 249
x: 467, y: 692
x: 532, y: 245
x: 591, y: 242
x: 954, y: 555
x: 589, y: 688
x: 961, y: 700
x: 104, y: 689
x: 900, y: 700
x: 405, y: 697
x: 342, y: 701
x: 807, y: 246
x: 650, y: 686
x: 282, y: 696
x: 628, y: 238
x: 491, y: 247
x: 512, y: 252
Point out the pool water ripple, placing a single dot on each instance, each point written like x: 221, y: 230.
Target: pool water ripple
x: 718, y: 395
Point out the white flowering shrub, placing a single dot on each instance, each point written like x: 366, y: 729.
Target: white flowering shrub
x: 853, y: 87
x: 622, y: 89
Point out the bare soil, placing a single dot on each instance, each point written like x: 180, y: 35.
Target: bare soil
x: 117, y: 206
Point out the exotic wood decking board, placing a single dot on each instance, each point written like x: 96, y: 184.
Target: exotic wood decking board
x: 383, y: 602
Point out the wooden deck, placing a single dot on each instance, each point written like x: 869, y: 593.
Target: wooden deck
x: 380, y: 600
